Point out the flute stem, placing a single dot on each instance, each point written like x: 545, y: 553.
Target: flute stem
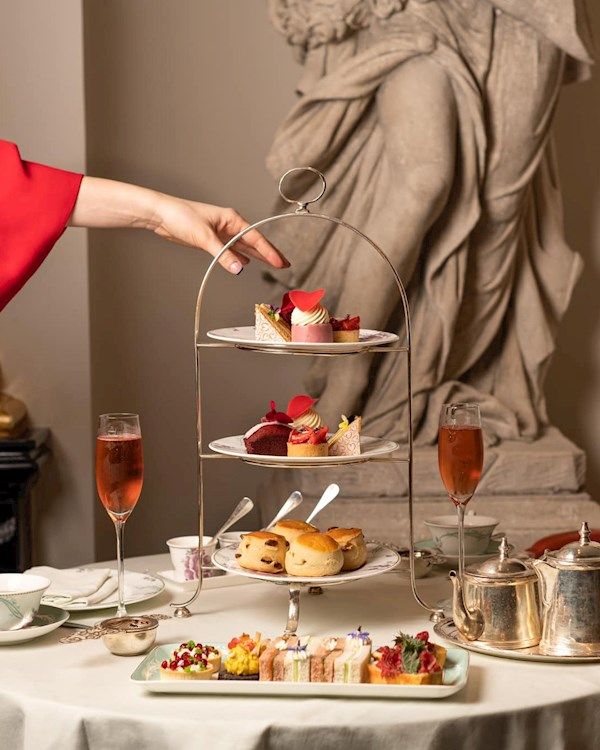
x: 120, y: 529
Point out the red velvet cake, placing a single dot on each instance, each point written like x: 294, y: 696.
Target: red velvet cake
x: 270, y: 436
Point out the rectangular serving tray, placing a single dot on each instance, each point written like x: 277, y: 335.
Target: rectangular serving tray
x: 147, y: 676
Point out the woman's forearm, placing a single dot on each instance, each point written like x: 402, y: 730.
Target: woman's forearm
x: 107, y: 203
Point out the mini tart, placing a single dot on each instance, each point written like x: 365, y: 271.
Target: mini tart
x: 176, y: 674
x: 307, y: 450
x: 376, y: 678
x: 200, y: 662
x: 346, y: 337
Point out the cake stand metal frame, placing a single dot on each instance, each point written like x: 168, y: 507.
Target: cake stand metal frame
x: 302, y: 213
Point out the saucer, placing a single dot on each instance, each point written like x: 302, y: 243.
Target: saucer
x: 452, y: 560
x: 47, y: 619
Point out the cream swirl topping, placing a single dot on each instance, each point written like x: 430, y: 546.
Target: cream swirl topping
x: 310, y: 419
x: 317, y: 315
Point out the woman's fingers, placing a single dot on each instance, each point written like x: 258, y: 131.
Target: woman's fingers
x: 231, y: 260
x: 255, y: 241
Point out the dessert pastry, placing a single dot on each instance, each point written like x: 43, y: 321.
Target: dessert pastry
x: 191, y: 661
x: 273, y: 323
x: 353, y: 546
x: 314, y: 554
x: 410, y: 661
x: 345, y: 330
x: 269, y: 437
x: 346, y: 441
x: 242, y: 662
x: 300, y: 411
x: 352, y: 665
x: 310, y: 320
x: 308, y: 443
x: 291, y: 529
x: 262, y: 551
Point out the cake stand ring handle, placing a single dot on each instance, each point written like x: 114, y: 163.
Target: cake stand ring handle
x: 302, y: 205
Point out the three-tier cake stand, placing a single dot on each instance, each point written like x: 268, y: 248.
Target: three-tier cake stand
x: 302, y: 213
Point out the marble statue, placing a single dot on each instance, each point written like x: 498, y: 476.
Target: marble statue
x: 432, y: 120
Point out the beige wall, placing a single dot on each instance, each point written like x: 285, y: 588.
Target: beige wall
x: 185, y: 101
x: 574, y: 379
x: 44, y: 331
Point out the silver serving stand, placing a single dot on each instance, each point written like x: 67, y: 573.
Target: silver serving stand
x: 302, y: 213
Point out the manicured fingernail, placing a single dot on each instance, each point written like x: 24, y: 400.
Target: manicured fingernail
x: 236, y: 267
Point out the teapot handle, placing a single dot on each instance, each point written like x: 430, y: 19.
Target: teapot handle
x: 541, y: 579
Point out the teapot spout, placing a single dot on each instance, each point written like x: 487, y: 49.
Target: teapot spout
x: 468, y: 621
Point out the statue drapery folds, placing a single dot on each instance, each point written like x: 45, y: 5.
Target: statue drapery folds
x: 432, y: 120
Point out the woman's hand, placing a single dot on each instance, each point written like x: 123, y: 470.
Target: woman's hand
x: 106, y: 203
x: 210, y: 227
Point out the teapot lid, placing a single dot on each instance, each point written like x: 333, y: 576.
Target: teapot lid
x: 502, y: 566
x: 583, y: 551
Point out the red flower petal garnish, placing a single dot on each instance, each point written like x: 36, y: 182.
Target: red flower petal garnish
x: 305, y: 301
x: 390, y: 662
x: 422, y: 636
x: 276, y: 416
x: 285, y: 311
x: 300, y: 404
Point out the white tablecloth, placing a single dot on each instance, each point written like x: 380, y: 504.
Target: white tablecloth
x: 78, y: 696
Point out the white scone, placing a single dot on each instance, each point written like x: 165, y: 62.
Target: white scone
x: 353, y: 546
x: 291, y: 529
x: 262, y: 551
x: 314, y: 554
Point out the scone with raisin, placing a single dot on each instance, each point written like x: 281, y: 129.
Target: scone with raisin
x: 262, y: 551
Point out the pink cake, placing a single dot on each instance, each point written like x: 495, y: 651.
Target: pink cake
x: 310, y: 320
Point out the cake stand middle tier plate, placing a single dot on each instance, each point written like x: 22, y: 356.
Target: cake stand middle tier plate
x: 370, y: 447
x: 244, y: 337
x: 380, y: 559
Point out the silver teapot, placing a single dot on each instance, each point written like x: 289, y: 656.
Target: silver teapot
x: 570, y: 588
x: 498, y: 602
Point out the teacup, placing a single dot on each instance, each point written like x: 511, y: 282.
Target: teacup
x: 184, y: 555
x: 231, y: 538
x: 20, y: 598
x: 478, y: 533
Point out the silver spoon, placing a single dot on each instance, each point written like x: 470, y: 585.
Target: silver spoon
x: 330, y: 494
x: 292, y: 502
x: 241, y: 509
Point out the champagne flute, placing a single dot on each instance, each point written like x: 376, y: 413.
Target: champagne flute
x: 460, y: 459
x: 119, y: 477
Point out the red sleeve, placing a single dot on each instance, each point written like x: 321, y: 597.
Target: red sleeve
x: 35, y: 205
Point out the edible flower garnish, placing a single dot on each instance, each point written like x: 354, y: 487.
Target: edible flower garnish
x: 408, y: 656
x: 276, y: 416
x: 360, y: 634
x: 305, y: 301
x: 299, y: 404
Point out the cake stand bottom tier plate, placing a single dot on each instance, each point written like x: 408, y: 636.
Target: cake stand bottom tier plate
x: 447, y: 630
x: 380, y: 559
x: 147, y: 675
